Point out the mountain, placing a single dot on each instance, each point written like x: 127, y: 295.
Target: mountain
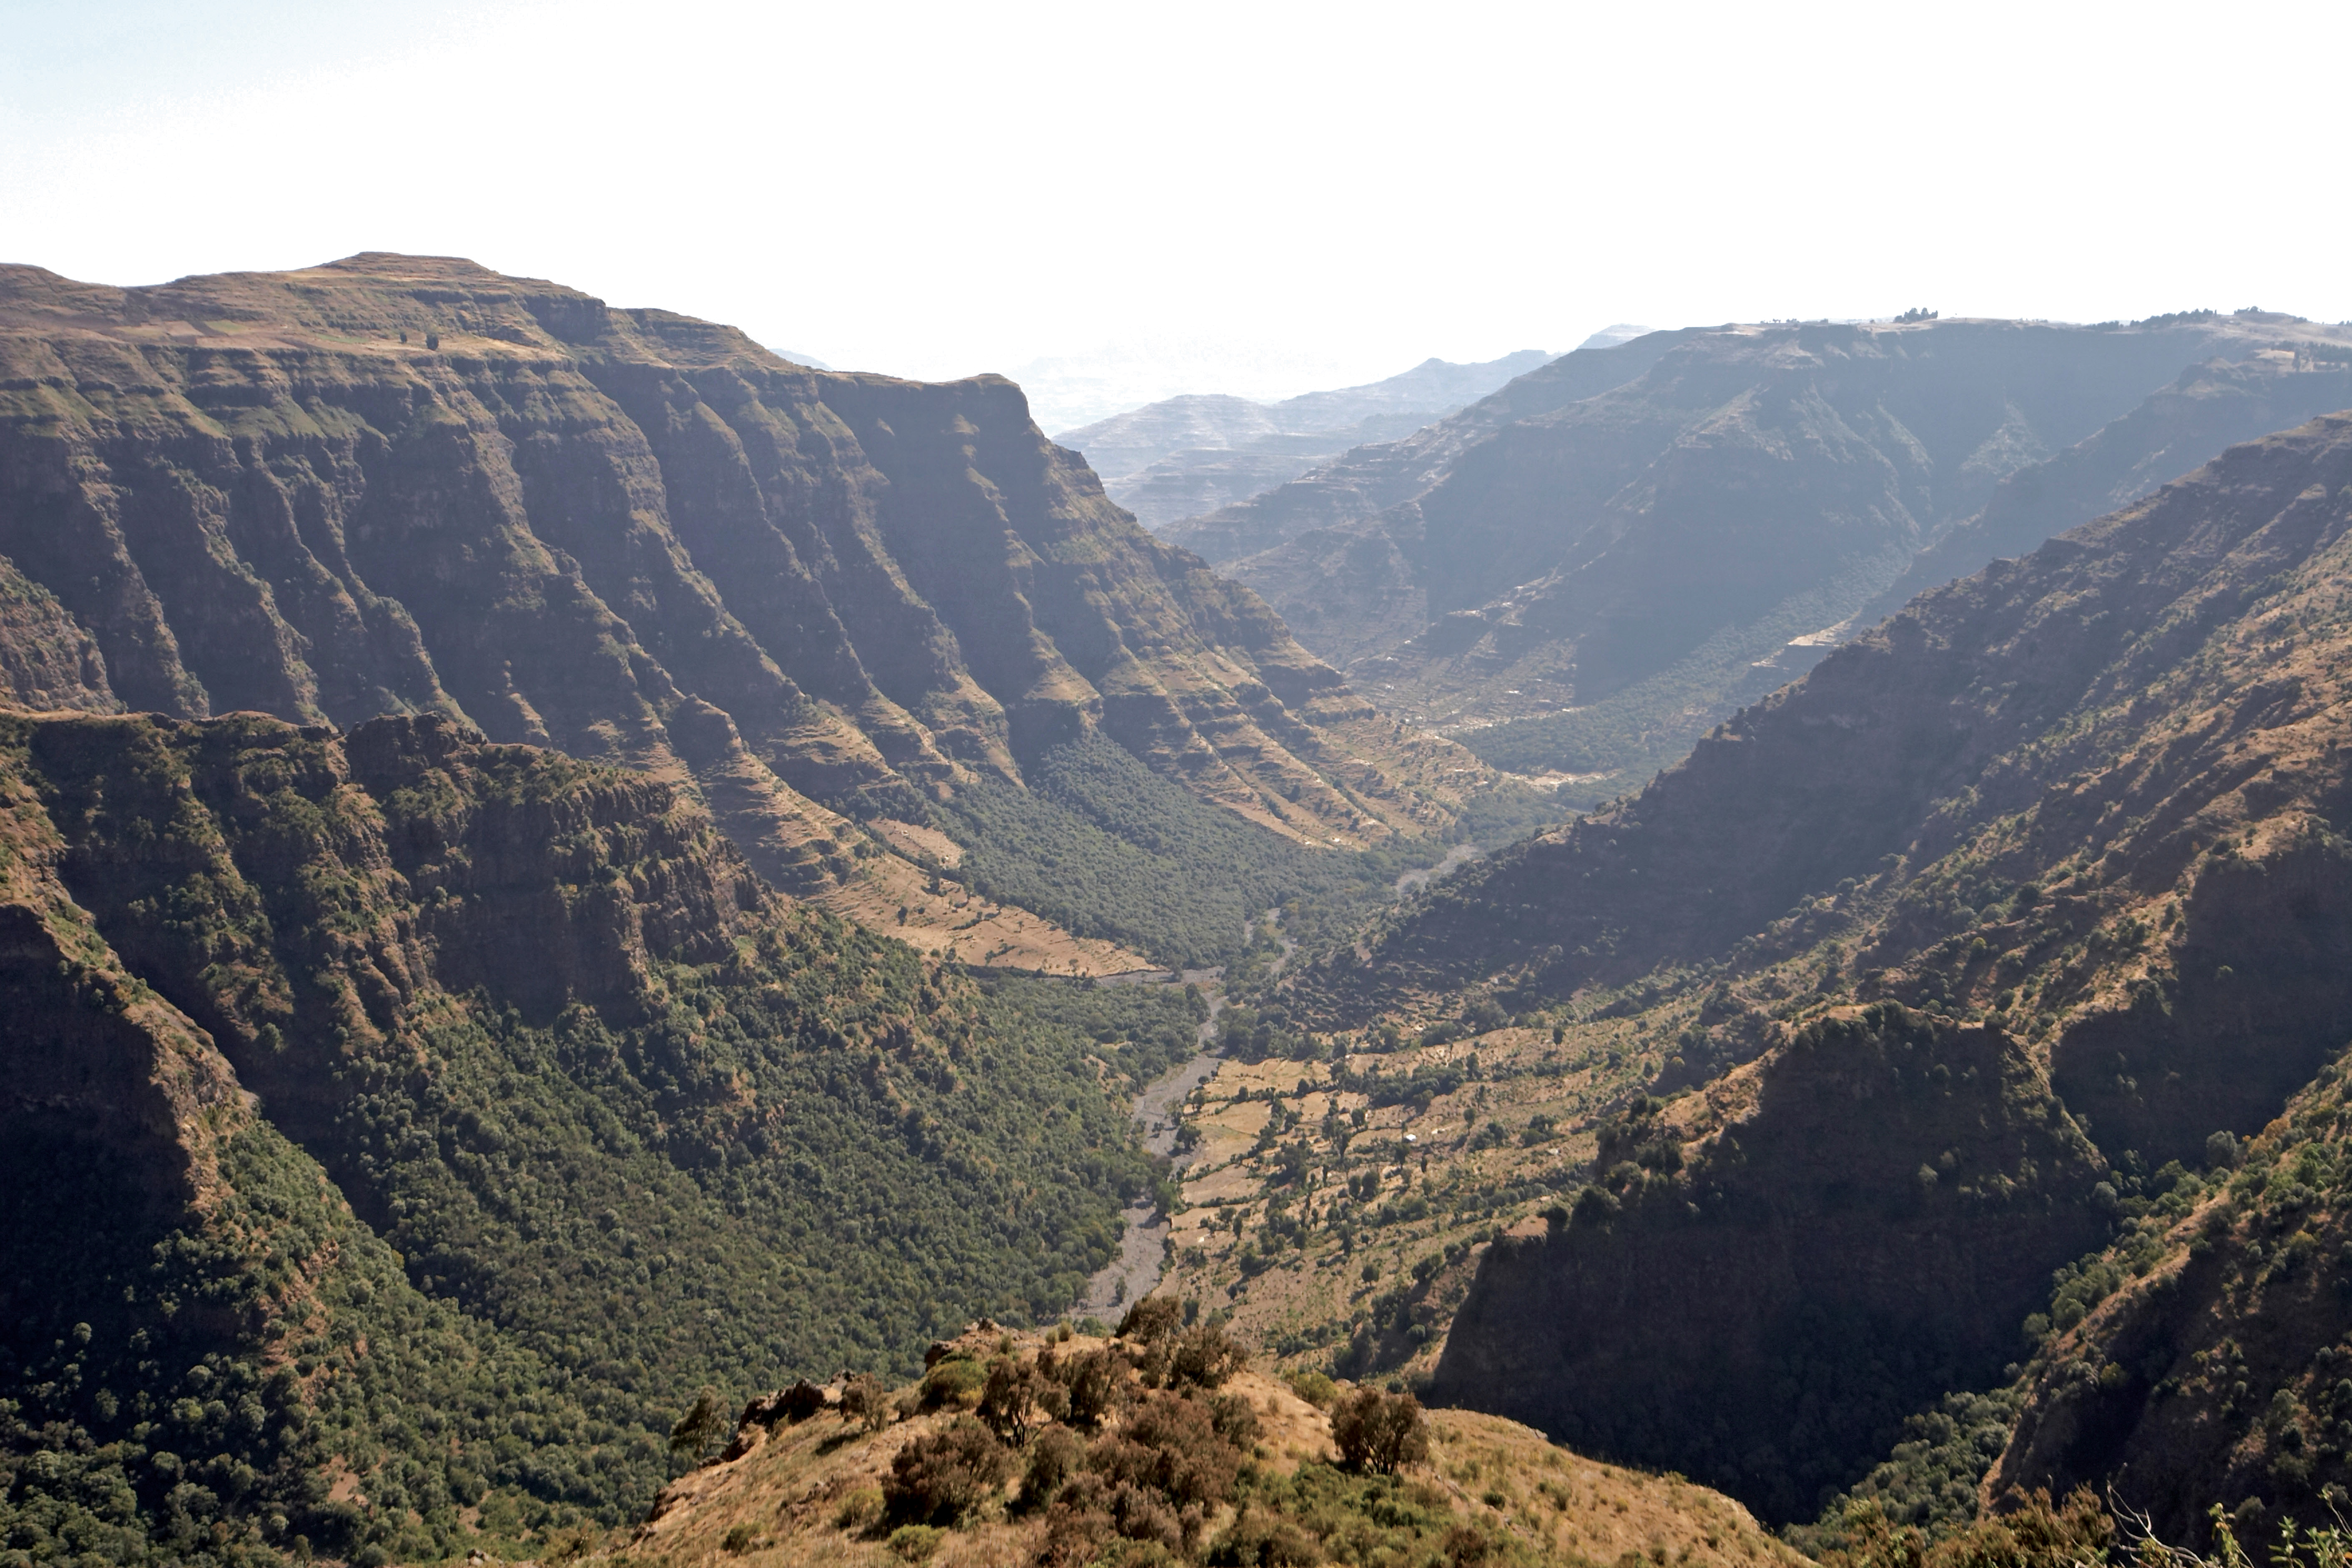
x: 1609, y: 337
x: 1917, y: 984
x: 396, y: 1128
x: 2212, y: 406
x: 836, y: 605
x: 1192, y: 454
x: 1362, y: 482
x: 1583, y: 587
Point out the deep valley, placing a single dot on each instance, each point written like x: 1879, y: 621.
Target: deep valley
x: 1730, y: 948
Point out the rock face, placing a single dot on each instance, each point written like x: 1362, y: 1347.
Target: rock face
x: 2054, y: 858
x: 1618, y: 568
x: 409, y: 485
x: 46, y: 661
x: 1184, y: 455
x: 1797, y: 1282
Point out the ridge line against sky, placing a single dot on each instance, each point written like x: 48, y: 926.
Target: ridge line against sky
x: 1261, y: 201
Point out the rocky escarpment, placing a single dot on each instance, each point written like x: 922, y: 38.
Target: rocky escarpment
x: 1587, y: 587
x: 2084, y: 814
x: 46, y: 661
x: 402, y: 485
x: 1775, y: 1276
x: 2211, y: 406
x: 1363, y: 482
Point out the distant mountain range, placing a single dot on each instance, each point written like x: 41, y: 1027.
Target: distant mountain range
x: 1581, y: 573
x: 1182, y: 456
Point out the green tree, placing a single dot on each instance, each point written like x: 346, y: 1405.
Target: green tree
x: 698, y: 1428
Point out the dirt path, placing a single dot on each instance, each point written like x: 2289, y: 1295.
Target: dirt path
x: 1142, y: 1250
x: 1143, y: 1236
x: 1414, y: 881
x: 1142, y: 1247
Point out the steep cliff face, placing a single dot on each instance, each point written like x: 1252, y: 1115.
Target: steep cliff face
x: 2033, y: 690
x: 2089, y: 807
x: 46, y: 661
x: 1587, y: 587
x: 403, y: 485
x: 2201, y: 1358
x: 504, y: 1059
x: 1796, y: 1288
x: 2211, y: 406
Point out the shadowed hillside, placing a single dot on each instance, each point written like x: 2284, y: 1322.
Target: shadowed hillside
x: 1935, y: 957
x: 1184, y: 455
x: 397, y: 485
x: 1583, y: 587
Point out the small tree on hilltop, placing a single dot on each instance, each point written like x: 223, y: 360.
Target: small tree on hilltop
x: 1152, y: 1320
x: 1379, y: 1432
x: 864, y: 1401
x: 1018, y: 1398
x: 701, y: 1427
x: 1097, y: 1385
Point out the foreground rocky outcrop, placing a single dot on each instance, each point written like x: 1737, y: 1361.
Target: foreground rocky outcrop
x: 1242, y: 1466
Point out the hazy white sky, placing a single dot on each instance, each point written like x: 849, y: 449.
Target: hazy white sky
x: 1282, y: 196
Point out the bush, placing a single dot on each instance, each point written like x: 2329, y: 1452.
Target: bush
x: 860, y: 1512
x: 701, y: 1427
x: 944, y: 1476
x: 1265, y: 1540
x: 1152, y: 1320
x: 1018, y: 1397
x: 1235, y: 1418
x: 954, y: 1383
x: 1097, y: 1385
x: 1171, y: 1445
x: 915, y: 1542
x: 1379, y: 1432
x: 1056, y: 1456
x: 1204, y: 1357
x: 864, y: 1401
x: 1315, y: 1388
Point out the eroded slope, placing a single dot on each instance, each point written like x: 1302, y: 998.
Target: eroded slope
x: 412, y: 485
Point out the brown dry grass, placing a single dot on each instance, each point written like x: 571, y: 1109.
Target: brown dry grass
x: 960, y: 924
x: 784, y: 1498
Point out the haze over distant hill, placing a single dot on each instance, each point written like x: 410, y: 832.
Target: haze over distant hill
x: 1192, y: 454
x: 1584, y: 572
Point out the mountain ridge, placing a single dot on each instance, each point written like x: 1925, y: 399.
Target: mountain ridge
x: 1163, y: 461
x: 1583, y: 589
x: 393, y: 484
